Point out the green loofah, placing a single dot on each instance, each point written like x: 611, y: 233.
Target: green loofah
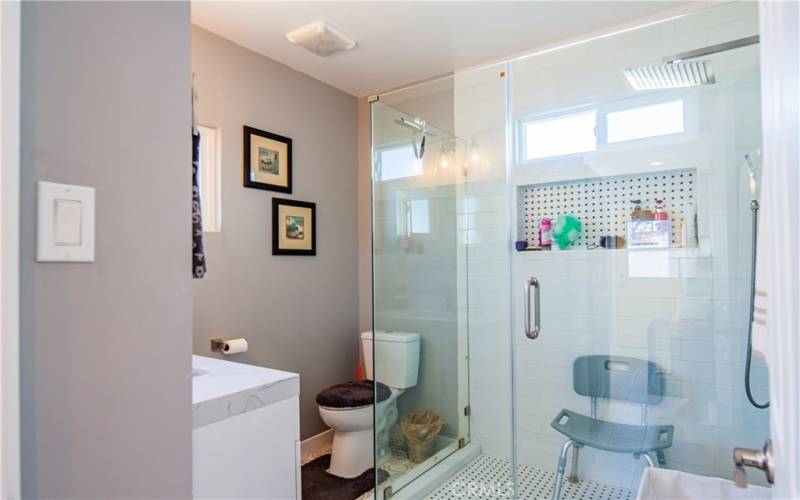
x: 566, y: 230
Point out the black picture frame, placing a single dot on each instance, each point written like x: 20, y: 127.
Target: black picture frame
x: 247, y: 160
x: 276, y: 227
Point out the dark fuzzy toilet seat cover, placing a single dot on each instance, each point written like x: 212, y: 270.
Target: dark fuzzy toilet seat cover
x: 353, y: 394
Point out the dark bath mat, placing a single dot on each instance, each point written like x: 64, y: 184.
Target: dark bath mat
x: 319, y: 485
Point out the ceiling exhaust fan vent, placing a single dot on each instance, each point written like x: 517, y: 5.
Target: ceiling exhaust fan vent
x: 321, y: 38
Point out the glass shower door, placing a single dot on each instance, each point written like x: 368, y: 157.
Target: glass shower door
x: 634, y: 208
x: 418, y: 296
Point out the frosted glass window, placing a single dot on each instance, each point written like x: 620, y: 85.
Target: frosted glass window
x: 560, y: 136
x: 419, y: 214
x: 645, y: 121
x: 398, y: 163
x: 210, y: 178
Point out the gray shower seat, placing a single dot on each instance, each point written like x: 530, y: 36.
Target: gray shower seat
x: 623, y: 379
x: 610, y: 436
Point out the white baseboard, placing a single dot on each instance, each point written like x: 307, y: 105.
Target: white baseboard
x: 314, y: 443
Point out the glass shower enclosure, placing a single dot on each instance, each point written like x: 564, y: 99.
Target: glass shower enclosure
x: 574, y: 246
x: 660, y: 177
x: 417, y: 294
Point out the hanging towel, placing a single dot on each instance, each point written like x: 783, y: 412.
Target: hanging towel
x: 199, y: 268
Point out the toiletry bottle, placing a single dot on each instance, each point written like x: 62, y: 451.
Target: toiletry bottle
x: 661, y: 214
x: 545, y: 233
x: 638, y: 213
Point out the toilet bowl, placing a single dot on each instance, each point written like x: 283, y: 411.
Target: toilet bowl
x: 349, y: 408
x: 353, y: 436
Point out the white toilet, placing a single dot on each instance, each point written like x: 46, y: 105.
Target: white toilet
x: 348, y: 408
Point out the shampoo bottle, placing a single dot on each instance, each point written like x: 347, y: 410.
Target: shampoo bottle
x: 545, y: 233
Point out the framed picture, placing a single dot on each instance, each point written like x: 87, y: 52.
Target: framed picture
x: 294, y: 227
x: 267, y: 160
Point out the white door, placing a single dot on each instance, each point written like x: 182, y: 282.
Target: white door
x: 9, y: 248
x: 778, y: 275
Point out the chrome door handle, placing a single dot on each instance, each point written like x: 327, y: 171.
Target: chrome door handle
x: 532, y: 282
x: 758, y: 459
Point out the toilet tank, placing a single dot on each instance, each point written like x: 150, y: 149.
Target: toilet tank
x: 396, y: 357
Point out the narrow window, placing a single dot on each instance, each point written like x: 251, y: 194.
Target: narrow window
x: 645, y: 121
x: 210, y: 178
x: 398, y: 163
x: 560, y: 136
x: 419, y: 215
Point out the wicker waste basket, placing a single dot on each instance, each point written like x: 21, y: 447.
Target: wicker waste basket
x: 420, y: 428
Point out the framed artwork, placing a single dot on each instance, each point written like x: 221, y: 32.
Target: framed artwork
x: 294, y: 227
x: 267, y: 160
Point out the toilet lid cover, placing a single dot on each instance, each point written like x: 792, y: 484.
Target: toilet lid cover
x: 353, y: 394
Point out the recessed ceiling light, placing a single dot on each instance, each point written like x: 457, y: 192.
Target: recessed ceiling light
x: 321, y: 38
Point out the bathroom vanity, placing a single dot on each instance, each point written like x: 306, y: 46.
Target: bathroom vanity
x: 246, y: 431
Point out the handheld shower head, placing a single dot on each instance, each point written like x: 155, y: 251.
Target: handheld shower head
x: 753, y: 174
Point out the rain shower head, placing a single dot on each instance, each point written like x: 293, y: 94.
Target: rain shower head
x: 680, y: 70
x: 671, y: 75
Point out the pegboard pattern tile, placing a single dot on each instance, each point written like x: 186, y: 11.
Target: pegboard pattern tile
x: 488, y: 477
x: 604, y: 204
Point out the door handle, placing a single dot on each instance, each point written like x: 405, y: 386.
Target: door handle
x: 532, y: 333
x: 758, y: 459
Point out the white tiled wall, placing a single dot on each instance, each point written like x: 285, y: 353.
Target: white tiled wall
x: 484, y: 222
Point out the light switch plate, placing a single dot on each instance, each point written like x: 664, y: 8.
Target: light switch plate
x: 65, y: 223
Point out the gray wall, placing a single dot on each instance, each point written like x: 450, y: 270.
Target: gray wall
x: 298, y: 313
x: 105, y: 354
x: 364, y: 216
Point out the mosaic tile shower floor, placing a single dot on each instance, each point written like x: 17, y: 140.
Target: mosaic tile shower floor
x: 487, y: 478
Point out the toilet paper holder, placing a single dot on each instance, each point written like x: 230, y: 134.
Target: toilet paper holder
x: 217, y: 345
x: 229, y: 346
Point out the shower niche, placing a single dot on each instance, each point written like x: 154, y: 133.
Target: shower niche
x: 604, y: 204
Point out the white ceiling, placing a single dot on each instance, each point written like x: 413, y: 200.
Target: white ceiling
x: 404, y: 42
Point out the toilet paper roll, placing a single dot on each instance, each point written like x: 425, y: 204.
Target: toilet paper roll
x: 234, y: 346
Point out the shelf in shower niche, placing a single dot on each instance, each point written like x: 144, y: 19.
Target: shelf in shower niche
x: 583, y: 253
x: 604, y: 204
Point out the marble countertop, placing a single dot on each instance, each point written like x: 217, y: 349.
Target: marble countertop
x: 222, y: 389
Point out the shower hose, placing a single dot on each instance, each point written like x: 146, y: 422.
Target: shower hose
x: 754, y: 210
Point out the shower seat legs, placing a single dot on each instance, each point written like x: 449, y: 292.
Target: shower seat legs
x: 573, y: 471
x: 562, y: 464
x: 648, y: 459
x: 573, y: 477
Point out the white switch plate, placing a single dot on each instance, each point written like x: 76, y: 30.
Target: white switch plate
x: 65, y: 223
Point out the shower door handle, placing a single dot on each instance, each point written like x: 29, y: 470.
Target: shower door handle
x: 532, y: 333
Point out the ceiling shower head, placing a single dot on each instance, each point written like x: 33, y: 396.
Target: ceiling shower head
x: 671, y: 75
x: 683, y: 70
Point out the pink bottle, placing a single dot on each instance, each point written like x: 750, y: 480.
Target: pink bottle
x: 545, y: 233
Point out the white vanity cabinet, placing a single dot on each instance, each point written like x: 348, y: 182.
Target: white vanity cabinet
x: 246, y: 431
